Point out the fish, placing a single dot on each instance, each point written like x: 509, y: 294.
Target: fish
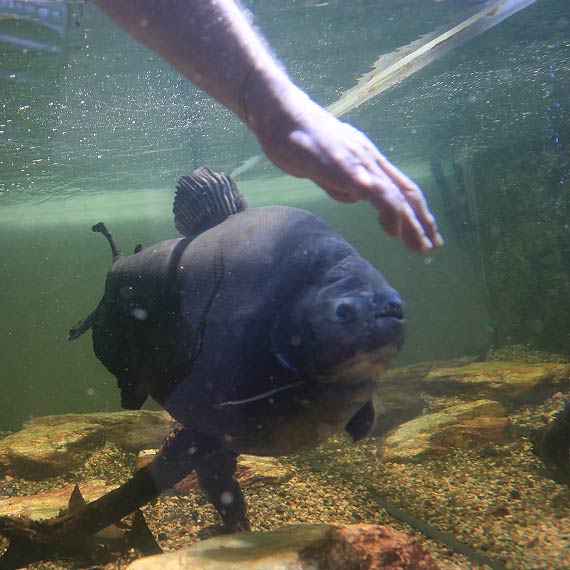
x: 260, y: 330
x: 262, y: 327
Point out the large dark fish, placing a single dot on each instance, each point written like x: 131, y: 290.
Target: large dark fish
x: 261, y: 331
x: 263, y: 327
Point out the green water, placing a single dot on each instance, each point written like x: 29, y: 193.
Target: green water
x: 102, y: 129
x: 95, y: 127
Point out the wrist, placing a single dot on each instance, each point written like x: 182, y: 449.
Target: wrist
x: 269, y: 100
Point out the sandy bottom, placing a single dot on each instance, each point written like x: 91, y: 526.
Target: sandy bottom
x: 499, y: 501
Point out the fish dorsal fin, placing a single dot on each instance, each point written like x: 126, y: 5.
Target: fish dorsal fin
x: 204, y: 200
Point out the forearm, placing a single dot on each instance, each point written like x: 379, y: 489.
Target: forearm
x: 210, y: 41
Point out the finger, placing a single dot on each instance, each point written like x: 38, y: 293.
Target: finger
x: 413, y: 233
x: 415, y: 198
x: 385, y: 196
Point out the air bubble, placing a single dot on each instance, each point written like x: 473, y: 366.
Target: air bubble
x: 227, y: 498
x: 140, y: 314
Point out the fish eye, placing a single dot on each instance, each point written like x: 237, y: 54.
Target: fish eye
x: 345, y: 311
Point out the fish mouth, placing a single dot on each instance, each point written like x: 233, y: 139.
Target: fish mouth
x: 392, y: 310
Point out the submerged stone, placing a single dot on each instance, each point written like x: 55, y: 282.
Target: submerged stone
x: 399, y: 395
x: 474, y: 424
x: 302, y: 547
x: 129, y: 430
x: 413, y: 375
x: 512, y: 383
x: 51, y: 445
x: 250, y: 470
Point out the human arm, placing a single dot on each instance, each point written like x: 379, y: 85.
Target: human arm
x: 213, y: 44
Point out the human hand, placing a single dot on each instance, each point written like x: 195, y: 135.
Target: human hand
x: 305, y: 140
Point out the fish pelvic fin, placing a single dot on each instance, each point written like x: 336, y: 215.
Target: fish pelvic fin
x: 204, y: 200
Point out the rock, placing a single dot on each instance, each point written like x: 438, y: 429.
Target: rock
x: 412, y: 376
x: 522, y: 353
x: 303, y: 547
x: 130, y: 430
x: 362, y: 546
x: 512, y: 383
x: 50, y: 503
x: 144, y: 457
x: 52, y: 445
x: 394, y: 406
x: 473, y: 424
x: 250, y: 470
x: 46, y: 452
x: 399, y: 395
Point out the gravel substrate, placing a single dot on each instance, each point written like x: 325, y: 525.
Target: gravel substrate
x: 499, y: 501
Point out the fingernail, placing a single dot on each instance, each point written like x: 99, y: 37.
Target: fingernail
x: 426, y: 245
x: 438, y: 240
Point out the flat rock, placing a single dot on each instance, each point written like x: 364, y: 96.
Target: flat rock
x: 393, y: 406
x: 473, y: 424
x: 302, y: 547
x: 413, y: 375
x: 130, y: 430
x: 250, y: 470
x: 52, y: 445
x: 50, y: 503
x: 399, y: 395
x: 513, y: 383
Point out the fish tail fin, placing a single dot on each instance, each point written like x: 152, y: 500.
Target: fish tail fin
x: 102, y: 229
x: 205, y: 199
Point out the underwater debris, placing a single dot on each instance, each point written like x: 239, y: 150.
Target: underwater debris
x: 29, y: 541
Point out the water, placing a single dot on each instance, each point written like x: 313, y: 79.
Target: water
x: 95, y: 127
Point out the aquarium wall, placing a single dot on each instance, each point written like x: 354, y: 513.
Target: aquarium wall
x: 96, y: 127
x: 468, y: 430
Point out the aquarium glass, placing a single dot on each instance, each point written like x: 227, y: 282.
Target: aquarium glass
x: 469, y: 452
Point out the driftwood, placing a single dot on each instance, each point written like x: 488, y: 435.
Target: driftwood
x: 78, y: 531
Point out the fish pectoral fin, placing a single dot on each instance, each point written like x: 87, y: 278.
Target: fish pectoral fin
x: 81, y: 327
x: 204, y: 200
x: 361, y: 423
